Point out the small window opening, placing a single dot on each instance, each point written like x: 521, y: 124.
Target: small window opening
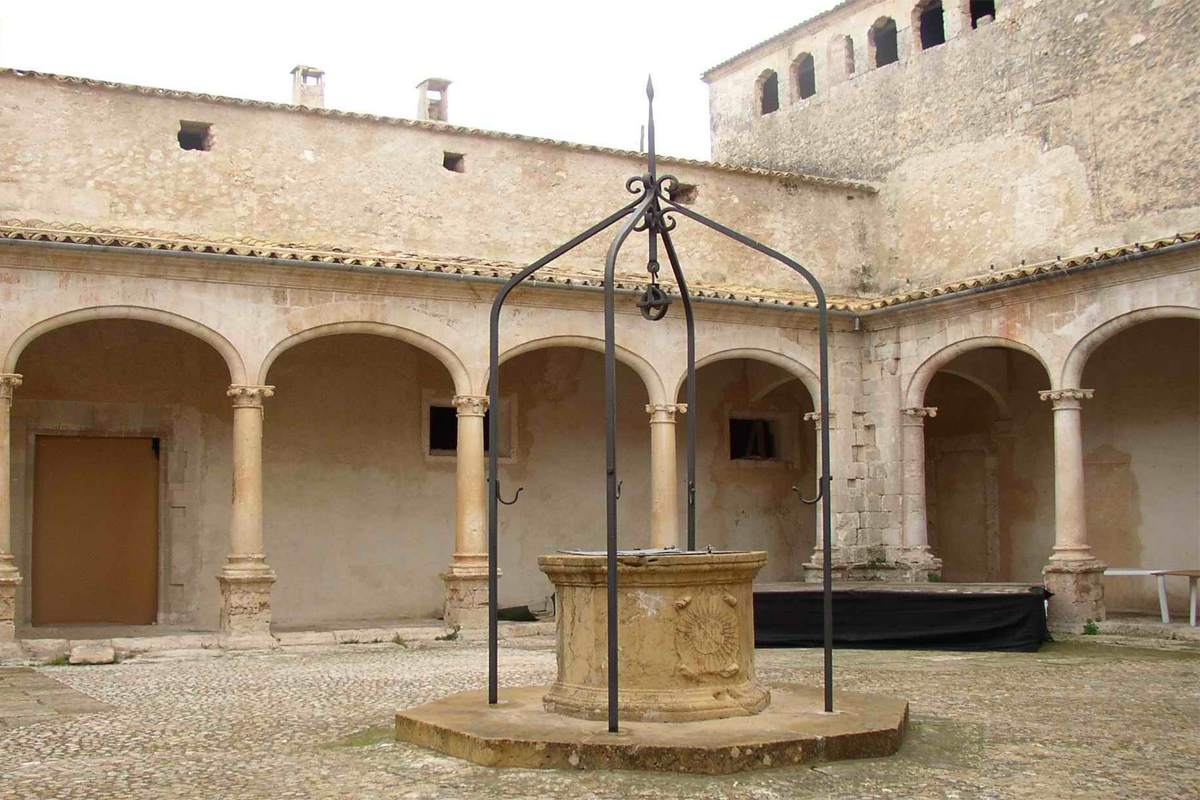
x: 806, y: 76
x: 443, y: 429
x: 982, y: 12
x: 751, y: 439
x: 849, y: 51
x: 883, y: 38
x: 195, y: 135
x: 933, y: 24
x: 685, y: 194
x: 455, y: 162
x: 769, y: 93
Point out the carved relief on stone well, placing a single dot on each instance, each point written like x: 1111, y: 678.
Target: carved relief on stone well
x: 707, y: 635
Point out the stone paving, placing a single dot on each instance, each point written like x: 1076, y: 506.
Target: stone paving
x: 1078, y: 720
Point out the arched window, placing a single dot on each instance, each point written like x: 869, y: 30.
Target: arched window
x: 882, y: 41
x: 982, y: 12
x: 931, y: 22
x: 804, y: 73
x: 768, y: 92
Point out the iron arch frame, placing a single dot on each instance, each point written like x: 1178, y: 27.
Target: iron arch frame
x: 648, y: 212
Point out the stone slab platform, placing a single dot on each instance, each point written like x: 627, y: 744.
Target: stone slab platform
x: 517, y: 732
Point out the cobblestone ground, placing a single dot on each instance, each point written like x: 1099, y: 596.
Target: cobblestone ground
x: 1077, y: 720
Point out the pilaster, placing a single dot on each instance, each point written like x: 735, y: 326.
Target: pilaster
x: 10, y: 576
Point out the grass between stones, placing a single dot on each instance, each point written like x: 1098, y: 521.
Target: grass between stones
x: 376, y: 734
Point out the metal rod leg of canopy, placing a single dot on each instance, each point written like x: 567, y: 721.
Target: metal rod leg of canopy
x: 823, y: 322
x: 685, y: 296
x: 494, y: 433
x: 826, y: 522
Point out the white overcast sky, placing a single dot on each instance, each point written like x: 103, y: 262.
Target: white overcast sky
x: 556, y: 69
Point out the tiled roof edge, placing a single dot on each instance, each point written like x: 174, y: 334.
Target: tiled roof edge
x: 861, y: 186
x: 998, y: 279
x: 76, y: 233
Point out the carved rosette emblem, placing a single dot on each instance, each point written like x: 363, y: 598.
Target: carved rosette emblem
x: 706, y: 635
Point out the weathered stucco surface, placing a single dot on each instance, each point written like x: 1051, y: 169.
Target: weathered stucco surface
x: 108, y: 157
x: 1058, y: 127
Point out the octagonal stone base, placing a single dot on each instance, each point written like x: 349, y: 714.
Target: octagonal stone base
x: 518, y: 732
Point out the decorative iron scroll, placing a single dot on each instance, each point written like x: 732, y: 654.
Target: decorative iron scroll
x: 650, y: 212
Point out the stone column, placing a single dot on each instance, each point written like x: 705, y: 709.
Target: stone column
x: 918, y: 559
x: 664, y: 480
x: 1073, y: 574
x: 10, y: 576
x: 466, y: 604
x: 246, y: 579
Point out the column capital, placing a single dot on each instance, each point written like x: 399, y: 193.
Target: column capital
x: 8, y: 382
x: 917, y: 414
x: 665, y: 412
x: 470, y: 405
x: 1067, y: 399
x: 245, y: 396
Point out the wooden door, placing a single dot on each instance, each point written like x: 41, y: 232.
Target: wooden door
x: 95, y: 531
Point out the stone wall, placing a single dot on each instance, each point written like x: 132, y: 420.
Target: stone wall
x: 1059, y: 127
x: 110, y: 158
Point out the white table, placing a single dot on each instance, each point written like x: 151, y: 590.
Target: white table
x: 1161, y: 575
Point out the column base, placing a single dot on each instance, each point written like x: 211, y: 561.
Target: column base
x: 466, y: 604
x: 1078, y: 590
x: 246, y: 603
x: 919, y: 565
x: 10, y: 579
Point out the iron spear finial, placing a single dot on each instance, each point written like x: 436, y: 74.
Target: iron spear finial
x: 651, y: 158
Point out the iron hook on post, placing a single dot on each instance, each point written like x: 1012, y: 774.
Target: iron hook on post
x: 508, y: 502
x: 800, y: 494
x: 619, y: 489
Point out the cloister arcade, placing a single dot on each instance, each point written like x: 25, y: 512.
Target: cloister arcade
x: 350, y: 428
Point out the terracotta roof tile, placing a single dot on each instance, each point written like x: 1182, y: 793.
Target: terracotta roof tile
x: 75, y: 233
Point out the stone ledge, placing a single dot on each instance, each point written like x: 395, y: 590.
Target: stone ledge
x: 518, y: 732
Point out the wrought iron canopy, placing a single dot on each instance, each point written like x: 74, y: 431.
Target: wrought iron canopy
x: 650, y: 212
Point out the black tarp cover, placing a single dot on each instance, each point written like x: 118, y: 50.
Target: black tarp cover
x: 910, y: 620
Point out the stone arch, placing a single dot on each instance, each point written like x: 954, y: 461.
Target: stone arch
x: 1072, y: 372
x: 233, y: 359
x: 1000, y: 400
x: 808, y: 377
x: 447, y: 357
x: 915, y: 395
x: 645, y: 370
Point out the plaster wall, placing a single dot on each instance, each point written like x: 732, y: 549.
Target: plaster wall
x: 560, y: 461
x: 1058, y: 127
x: 1141, y: 441
x: 110, y: 158
x: 357, y: 521
x: 749, y: 505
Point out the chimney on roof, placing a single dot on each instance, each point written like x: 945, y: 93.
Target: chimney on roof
x: 433, y: 99
x: 308, y: 87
